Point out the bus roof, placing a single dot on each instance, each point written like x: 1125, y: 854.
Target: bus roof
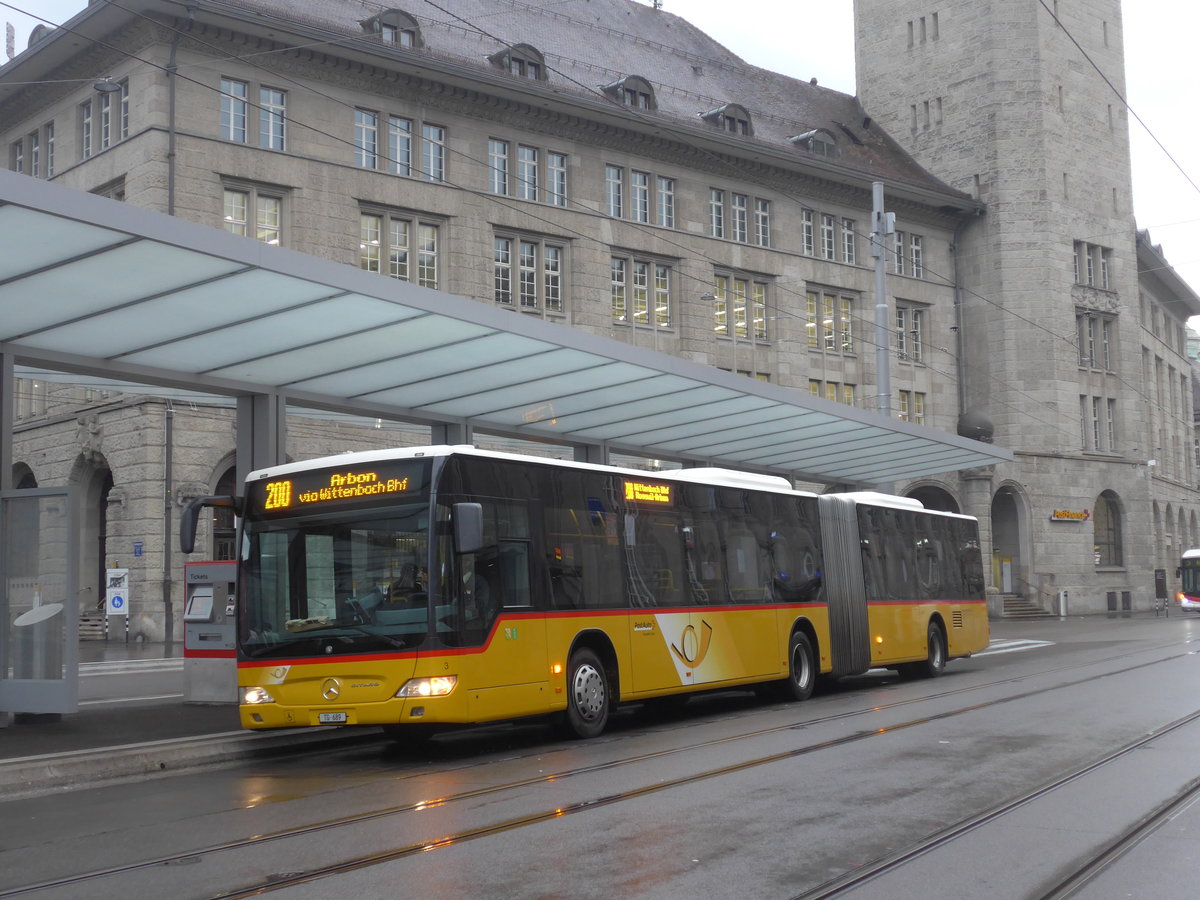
x: 714, y: 476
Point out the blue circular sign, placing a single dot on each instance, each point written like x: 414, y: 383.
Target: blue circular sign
x: 117, y: 601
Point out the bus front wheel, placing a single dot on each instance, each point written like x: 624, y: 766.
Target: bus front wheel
x: 802, y: 667
x: 587, y: 694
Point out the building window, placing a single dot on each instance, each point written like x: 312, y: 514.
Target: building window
x: 399, y: 246
x: 632, y: 91
x: 16, y: 155
x: 1095, y: 335
x: 849, y: 242
x: 234, y: 110
x: 1106, y: 524
x: 910, y: 333
x: 740, y: 217
x: 911, y: 407
x: 35, y: 154
x: 123, y: 115
x: 833, y: 391
x: 716, y: 213
x: 829, y: 321
x: 527, y: 172
x: 105, y: 121
x: 739, y: 307
x: 523, y: 60
x: 762, y: 222
x: 399, y: 160
x: 395, y: 28
x: 252, y: 213
x: 527, y: 273
x: 639, y: 196
x: 433, y: 153
x: 366, y: 139
x: 48, y: 138
x: 807, y: 237
x: 498, y: 167
x: 272, y: 113
x: 666, y: 202
x: 828, y: 246
x: 641, y: 291
x: 556, y: 179
x: 614, y: 191
x: 85, y: 129
x: 1093, y: 265
x: 731, y: 117
x: 916, y: 256
x: 397, y: 36
x: 400, y: 146
x: 898, y: 252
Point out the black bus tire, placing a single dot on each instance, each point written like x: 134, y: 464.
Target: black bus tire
x: 802, y: 667
x: 588, y: 698
x: 935, y: 657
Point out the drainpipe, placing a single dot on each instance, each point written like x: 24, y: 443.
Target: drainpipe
x: 168, y: 497
x: 172, y: 71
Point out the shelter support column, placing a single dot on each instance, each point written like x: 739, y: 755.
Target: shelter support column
x: 451, y: 433
x: 591, y: 453
x: 261, y: 432
x: 8, y: 412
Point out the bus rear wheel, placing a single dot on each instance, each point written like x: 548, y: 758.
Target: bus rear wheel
x: 935, y: 658
x: 802, y: 667
x: 588, y: 698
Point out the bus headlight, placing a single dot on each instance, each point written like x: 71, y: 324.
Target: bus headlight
x: 437, y: 686
x: 252, y: 696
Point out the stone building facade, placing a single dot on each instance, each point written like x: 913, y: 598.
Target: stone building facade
x: 612, y: 169
x: 1073, y: 323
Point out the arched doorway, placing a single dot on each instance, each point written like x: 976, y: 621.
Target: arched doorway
x: 934, y: 497
x: 1007, y: 539
x: 95, y: 483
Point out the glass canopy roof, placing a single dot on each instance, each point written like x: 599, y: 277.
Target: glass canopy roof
x: 100, y: 288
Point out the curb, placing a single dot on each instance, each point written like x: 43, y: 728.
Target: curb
x: 29, y: 776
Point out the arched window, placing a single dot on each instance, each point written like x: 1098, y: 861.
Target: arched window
x: 224, y: 533
x: 1106, y: 522
x: 522, y: 60
x: 818, y: 142
x: 632, y: 90
x: 731, y: 117
x: 395, y: 28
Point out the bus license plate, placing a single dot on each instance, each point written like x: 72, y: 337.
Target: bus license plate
x: 332, y: 718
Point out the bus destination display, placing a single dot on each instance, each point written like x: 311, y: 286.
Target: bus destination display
x: 333, y: 487
x: 641, y: 492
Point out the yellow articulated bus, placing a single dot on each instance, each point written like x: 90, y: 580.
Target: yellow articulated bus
x: 428, y: 587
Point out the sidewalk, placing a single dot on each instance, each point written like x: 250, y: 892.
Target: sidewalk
x: 137, y: 739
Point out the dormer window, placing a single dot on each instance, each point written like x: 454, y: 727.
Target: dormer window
x: 395, y: 28
x: 522, y: 60
x: 731, y: 117
x: 632, y: 90
x: 819, y: 142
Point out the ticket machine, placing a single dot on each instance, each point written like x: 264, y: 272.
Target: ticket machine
x: 209, y: 623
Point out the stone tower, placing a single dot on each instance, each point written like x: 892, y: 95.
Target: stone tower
x: 1018, y: 102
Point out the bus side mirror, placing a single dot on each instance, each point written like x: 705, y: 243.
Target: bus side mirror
x: 468, y: 527
x: 191, y: 516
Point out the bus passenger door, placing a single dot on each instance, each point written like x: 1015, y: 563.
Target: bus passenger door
x: 507, y: 583
x: 659, y: 620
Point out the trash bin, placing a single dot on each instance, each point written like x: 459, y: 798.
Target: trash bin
x: 37, y: 636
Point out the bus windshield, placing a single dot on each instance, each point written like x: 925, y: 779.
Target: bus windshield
x: 351, y: 582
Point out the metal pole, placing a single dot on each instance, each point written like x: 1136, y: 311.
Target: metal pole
x: 883, y: 228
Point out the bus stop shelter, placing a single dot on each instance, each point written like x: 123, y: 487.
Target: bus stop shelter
x: 95, y: 287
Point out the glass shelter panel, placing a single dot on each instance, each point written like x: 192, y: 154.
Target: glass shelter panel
x: 39, y: 607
